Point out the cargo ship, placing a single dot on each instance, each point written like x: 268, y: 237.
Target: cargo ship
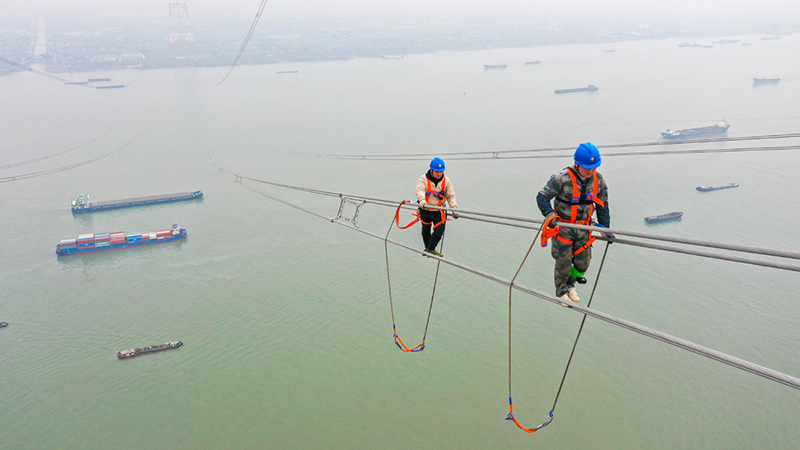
x: 82, y: 203
x: 590, y: 88
x: 707, y: 188
x: 727, y: 41
x: 280, y: 72
x: 76, y: 82
x: 92, y: 80
x: 719, y: 128
x: 113, y: 86
x: 675, y: 215
x: 494, y: 66
x: 130, y: 353
x: 3, y: 324
x: 530, y: 63
x: 88, y: 243
x: 770, y: 80
x: 687, y: 44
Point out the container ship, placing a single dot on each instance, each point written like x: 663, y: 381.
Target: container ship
x: 707, y: 188
x: 130, y: 353
x: 494, y: 66
x: 590, y: 88
x: 771, y: 80
x: 88, y: 243
x: 675, y: 215
x: 113, y: 86
x: 719, y: 128
x: 82, y: 203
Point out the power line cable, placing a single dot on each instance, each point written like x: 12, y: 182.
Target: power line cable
x: 246, y: 39
x: 38, y: 72
x: 738, y: 363
x: 79, y: 164
x: 481, y: 216
x: 53, y: 155
x: 496, y: 154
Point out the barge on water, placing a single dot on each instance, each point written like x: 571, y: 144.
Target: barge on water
x: 130, y: 353
x: 707, y: 188
x: 82, y: 203
x: 674, y: 215
x: 589, y: 88
x: 718, y: 128
x: 88, y: 243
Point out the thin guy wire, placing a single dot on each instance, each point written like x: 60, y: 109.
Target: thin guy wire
x: 580, y: 329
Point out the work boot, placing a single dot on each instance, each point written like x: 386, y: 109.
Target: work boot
x: 428, y: 251
x: 572, y: 294
x: 564, y: 298
x: 580, y: 280
x: 434, y: 252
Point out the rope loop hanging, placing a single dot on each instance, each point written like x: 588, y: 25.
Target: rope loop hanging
x: 397, y: 340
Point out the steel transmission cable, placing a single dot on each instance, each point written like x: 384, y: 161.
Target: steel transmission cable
x: 246, y: 39
x: 509, y: 221
x: 38, y: 72
x: 738, y: 363
x: 53, y: 155
x: 497, y: 153
x: 40, y: 173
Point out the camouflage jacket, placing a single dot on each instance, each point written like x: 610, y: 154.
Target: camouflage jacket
x: 559, y: 189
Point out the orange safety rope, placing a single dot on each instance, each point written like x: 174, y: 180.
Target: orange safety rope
x: 510, y: 288
x: 399, y: 342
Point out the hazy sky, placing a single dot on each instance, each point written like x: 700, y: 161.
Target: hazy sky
x: 686, y: 9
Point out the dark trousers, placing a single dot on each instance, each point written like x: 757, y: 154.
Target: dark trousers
x: 431, y: 240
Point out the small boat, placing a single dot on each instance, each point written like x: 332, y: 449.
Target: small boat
x: 707, y: 188
x: 130, y: 353
x: 768, y: 80
x: 494, y: 66
x: 675, y: 215
x: 3, y: 324
x: 590, y: 88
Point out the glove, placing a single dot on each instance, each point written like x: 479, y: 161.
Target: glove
x: 422, y: 204
x: 554, y: 223
x: 608, y: 236
x: 455, y: 214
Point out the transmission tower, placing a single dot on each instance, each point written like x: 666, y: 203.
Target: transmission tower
x: 181, y: 40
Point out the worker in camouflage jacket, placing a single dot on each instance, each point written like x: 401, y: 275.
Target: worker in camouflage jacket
x: 577, y: 192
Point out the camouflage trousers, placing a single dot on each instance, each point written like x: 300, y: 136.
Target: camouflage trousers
x: 563, y: 254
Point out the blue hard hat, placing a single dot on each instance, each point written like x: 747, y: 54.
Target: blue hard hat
x: 437, y: 164
x: 587, y: 156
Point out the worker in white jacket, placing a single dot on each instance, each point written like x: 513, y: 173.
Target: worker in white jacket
x: 434, y: 188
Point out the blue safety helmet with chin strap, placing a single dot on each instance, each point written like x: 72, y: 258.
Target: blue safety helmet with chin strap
x: 437, y: 164
x: 587, y: 156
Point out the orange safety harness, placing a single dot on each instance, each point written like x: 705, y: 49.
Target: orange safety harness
x: 428, y: 194
x: 399, y: 342
x: 576, y: 200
